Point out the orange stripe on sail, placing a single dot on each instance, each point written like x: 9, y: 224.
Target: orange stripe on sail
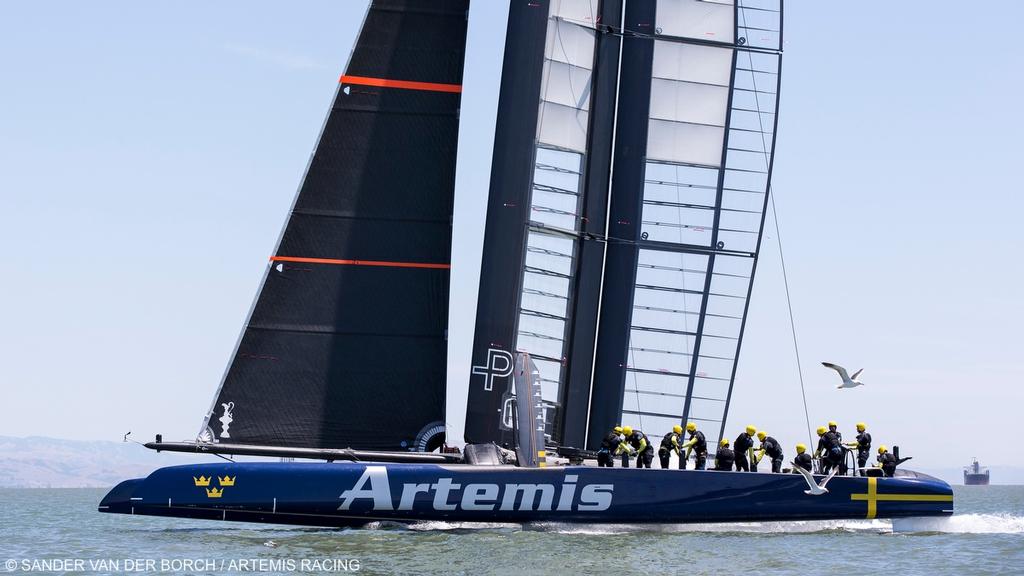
x: 381, y: 263
x: 406, y: 84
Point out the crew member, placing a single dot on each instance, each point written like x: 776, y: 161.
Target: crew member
x: 608, y: 446
x: 669, y: 444
x: 863, y: 445
x: 724, y: 457
x: 772, y: 448
x: 696, y: 444
x: 636, y: 442
x: 886, y: 461
x: 829, y: 451
x: 833, y: 427
x: 803, y: 459
x: 744, y: 449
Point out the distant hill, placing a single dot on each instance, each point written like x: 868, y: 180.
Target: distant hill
x: 40, y: 462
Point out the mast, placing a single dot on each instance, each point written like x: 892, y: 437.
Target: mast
x: 576, y: 399
x: 346, y: 343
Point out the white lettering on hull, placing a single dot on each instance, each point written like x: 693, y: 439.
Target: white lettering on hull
x: 374, y: 486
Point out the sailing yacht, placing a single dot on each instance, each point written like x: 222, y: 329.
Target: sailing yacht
x: 630, y: 176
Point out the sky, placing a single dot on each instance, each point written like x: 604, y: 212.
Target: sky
x: 149, y: 152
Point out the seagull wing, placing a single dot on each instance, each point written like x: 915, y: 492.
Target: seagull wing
x: 842, y: 371
x: 855, y: 374
x: 807, y: 476
x: 829, y: 477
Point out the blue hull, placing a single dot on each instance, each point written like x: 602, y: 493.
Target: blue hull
x: 351, y: 494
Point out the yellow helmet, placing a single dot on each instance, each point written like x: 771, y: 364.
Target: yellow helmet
x: 800, y: 448
x: 861, y: 426
x: 761, y: 435
x: 882, y: 449
x: 627, y: 430
x: 691, y: 427
x: 677, y: 429
x: 751, y: 429
x: 821, y: 430
x: 617, y: 429
x: 723, y: 442
x: 832, y: 424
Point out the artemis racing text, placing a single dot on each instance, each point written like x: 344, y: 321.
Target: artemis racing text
x: 375, y: 487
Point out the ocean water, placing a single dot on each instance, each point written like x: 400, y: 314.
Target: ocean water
x: 59, y: 531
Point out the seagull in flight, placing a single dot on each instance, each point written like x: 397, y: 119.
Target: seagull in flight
x: 848, y: 381
x: 815, y: 489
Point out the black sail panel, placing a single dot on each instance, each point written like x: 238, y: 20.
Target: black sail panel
x: 346, y: 343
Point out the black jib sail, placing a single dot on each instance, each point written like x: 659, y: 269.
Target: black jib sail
x: 632, y: 158
x: 346, y: 343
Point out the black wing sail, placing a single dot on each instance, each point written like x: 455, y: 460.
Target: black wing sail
x: 633, y: 152
x: 346, y: 343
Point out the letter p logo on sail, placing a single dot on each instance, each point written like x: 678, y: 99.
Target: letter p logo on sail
x: 499, y: 365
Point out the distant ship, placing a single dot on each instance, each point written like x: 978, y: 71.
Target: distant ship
x: 975, y: 475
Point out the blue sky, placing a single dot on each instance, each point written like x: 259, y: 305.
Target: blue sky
x: 149, y: 153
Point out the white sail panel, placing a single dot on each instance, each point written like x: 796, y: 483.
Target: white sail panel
x: 698, y: 19
x: 563, y: 127
x: 689, y: 102
x: 570, y: 43
x: 684, y: 143
x: 692, y: 63
x: 566, y: 85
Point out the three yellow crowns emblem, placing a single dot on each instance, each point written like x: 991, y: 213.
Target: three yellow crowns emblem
x: 213, y: 491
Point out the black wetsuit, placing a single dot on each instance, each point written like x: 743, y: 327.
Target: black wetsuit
x: 773, y: 450
x: 742, y: 444
x: 841, y: 464
x: 831, y: 451
x: 669, y: 444
x: 646, y: 456
x: 605, y: 456
x: 804, y: 461
x: 863, y: 449
x: 888, y: 462
x: 700, y: 450
x: 724, y: 459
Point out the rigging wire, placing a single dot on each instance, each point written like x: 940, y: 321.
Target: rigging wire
x: 778, y: 234
x: 792, y: 322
